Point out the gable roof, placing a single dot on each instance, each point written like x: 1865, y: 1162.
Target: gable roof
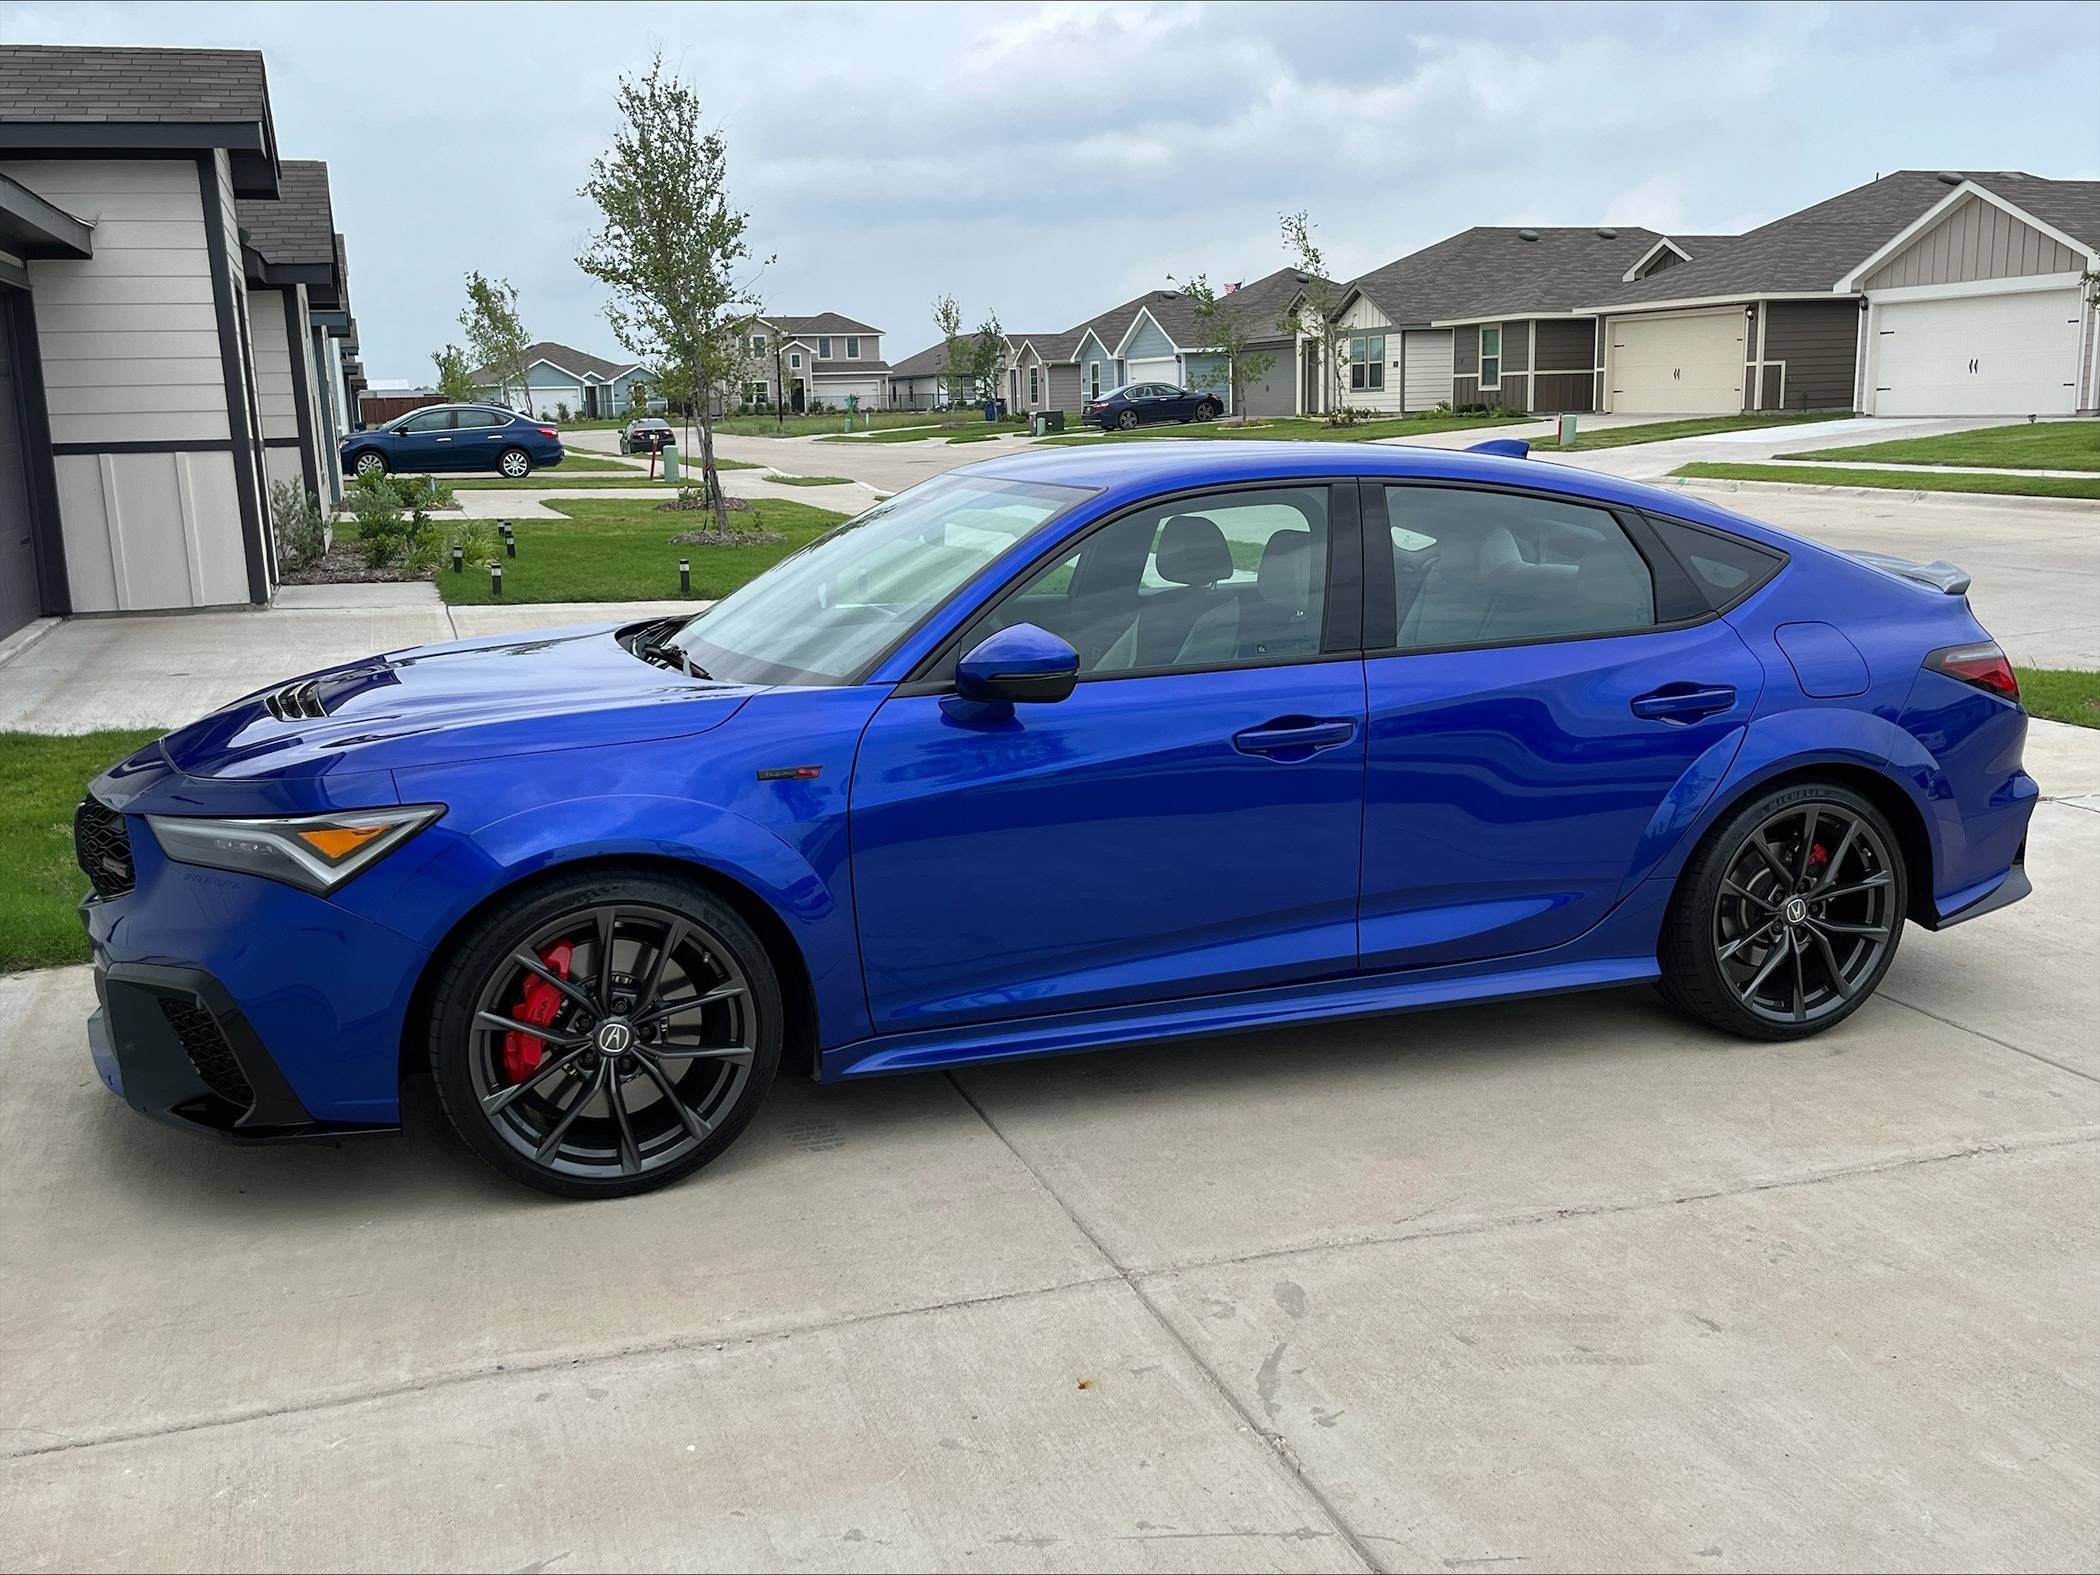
x: 1261, y: 304
x: 930, y: 362
x: 822, y: 323
x: 1809, y: 252
x: 77, y: 96
x: 1505, y: 270
x: 1055, y: 349
x: 563, y: 358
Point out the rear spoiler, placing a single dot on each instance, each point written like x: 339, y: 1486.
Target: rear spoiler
x: 1939, y: 575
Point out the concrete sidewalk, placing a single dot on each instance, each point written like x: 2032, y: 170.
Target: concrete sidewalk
x: 1559, y: 1284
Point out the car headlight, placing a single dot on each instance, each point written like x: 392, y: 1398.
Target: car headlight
x: 316, y: 853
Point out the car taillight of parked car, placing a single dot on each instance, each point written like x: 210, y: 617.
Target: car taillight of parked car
x: 552, y: 432
x: 1982, y: 664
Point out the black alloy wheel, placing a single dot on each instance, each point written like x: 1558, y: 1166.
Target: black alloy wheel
x: 1787, y: 919
x: 606, y: 1037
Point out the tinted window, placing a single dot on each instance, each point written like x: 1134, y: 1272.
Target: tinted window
x: 1496, y: 568
x: 1724, y: 568
x: 429, y: 421
x: 1216, y: 581
x: 482, y: 418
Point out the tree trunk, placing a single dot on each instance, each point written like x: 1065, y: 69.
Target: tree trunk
x: 709, y: 478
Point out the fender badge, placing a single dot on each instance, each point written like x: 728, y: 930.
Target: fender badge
x: 790, y: 773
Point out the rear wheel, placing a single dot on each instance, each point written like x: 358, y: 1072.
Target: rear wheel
x: 514, y: 463
x: 1128, y: 420
x: 1788, y: 916
x: 605, y: 1034
x: 370, y: 465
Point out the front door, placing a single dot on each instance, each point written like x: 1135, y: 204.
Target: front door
x: 1529, y: 716
x: 1187, y: 821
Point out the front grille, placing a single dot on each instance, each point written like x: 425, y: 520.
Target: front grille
x: 209, y: 1053
x: 102, y: 847
x: 295, y: 702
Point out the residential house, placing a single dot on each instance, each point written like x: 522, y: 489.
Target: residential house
x: 820, y: 360
x: 1491, y: 316
x: 294, y: 260
x: 1919, y: 293
x: 561, y: 378
x: 132, y: 429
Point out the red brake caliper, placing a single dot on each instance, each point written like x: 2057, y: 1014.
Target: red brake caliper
x: 522, y: 1052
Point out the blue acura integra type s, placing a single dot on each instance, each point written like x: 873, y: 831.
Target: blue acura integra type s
x: 1056, y: 751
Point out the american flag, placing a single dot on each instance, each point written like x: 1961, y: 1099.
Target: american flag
x: 1232, y: 287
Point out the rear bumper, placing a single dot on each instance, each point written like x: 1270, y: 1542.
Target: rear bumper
x: 170, y: 1042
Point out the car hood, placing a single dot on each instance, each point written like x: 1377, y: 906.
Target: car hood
x: 467, y: 700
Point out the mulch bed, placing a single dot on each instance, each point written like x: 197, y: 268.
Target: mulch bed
x: 726, y: 538
x: 343, y: 564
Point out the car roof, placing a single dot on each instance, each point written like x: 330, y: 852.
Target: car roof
x: 1139, y: 468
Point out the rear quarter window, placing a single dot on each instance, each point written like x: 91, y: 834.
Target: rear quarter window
x: 1724, y: 568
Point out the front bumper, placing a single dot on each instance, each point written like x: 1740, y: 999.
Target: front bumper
x: 170, y: 1042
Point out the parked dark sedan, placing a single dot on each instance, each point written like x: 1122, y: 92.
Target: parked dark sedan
x: 454, y: 437
x: 1134, y: 404
x: 645, y: 435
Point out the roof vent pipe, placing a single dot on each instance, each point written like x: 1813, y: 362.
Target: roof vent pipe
x: 1527, y: 235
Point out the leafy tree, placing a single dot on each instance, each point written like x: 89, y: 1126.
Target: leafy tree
x: 496, y: 335
x: 672, y: 251
x: 1223, y: 327
x: 455, y: 379
x: 1319, y: 303
x: 947, y: 317
x: 984, y: 358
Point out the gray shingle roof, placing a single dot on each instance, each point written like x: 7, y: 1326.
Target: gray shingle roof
x: 1055, y: 349
x: 563, y: 356
x: 65, y: 82
x: 1493, y: 269
x: 837, y: 366
x: 1813, y: 249
x: 930, y: 362
x: 1260, y: 304
x: 822, y: 323
x: 299, y: 225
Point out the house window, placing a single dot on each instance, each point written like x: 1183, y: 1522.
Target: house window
x: 756, y: 394
x: 1093, y: 380
x: 1367, y: 361
x: 824, y: 347
x: 795, y: 360
x: 1490, y: 356
x: 758, y: 344
x: 852, y: 347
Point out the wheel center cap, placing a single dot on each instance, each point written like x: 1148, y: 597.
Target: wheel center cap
x: 1795, y: 911
x: 614, y: 1038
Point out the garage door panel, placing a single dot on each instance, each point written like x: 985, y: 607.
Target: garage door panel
x: 1165, y: 370
x: 1690, y: 365
x: 1981, y: 355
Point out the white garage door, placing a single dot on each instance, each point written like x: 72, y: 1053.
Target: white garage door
x: 1678, y: 366
x: 1978, y: 355
x: 1428, y: 369
x: 1164, y: 370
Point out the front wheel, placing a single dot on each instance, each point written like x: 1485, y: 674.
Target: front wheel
x: 514, y: 463
x: 1206, y: 411
x: 370, y: 466
x: 1788, y: 915
x: 605, y: 1034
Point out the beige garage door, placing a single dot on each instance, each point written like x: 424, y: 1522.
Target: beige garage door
x: 1978, y: 355
x: 1678, y: 366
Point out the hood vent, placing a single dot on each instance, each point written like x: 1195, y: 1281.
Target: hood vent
x: 295, y: 702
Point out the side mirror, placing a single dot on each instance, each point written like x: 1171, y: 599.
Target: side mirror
x: 1020, y: 665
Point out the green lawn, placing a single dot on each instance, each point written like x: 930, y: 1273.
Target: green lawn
x: 613, y: 550
x: 41, y: 779
x: 814, y: 481
x: 805, y: 426
x: 1300, y: 429
x: 972, y: 429
x: 2044, y: 445
x: 1696, y: 426
x: 2060, y: 694
x: 1900, y: 480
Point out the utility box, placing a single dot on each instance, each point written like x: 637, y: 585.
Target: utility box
x: 670, y: 453
x: 1567, y: 429
x: 1048, y: 421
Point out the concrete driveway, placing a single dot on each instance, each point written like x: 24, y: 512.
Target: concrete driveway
x: 1548, y: 1285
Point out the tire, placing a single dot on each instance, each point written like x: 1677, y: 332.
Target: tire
x: 1206, y: 411
x: 1750, y: 946
x: 1128, y: 420
x: 582, y: 1112
x: 370, y: 463
x: 514, y: 463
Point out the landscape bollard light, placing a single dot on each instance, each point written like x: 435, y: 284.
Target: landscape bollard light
x: 510, y: 541
x: 459, y: 557
x: 685, y: 576
x: 495, y: 579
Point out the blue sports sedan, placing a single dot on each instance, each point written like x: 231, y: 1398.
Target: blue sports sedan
x: 1053, y: 752
x: 1141, y: 404
x: 454, y: 438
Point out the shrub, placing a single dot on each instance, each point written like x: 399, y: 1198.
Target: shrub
x: 561, y: 411
x: 301, y: 527
x: 382, y: 532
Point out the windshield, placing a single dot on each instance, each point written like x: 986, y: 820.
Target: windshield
x: 823, y: 614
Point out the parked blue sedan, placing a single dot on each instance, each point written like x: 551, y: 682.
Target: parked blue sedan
x: 1137, y: 404
x: 1057, y: 751
x: 454, y: 438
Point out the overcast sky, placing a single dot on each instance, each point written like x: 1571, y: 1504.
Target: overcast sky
x: 1048, y: 161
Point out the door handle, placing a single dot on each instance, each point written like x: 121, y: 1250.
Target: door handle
x: 1684, y: 702
x: 1294, y: 738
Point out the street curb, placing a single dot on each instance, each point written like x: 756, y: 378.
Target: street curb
x: 1992, y: 500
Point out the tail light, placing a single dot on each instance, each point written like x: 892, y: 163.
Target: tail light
x: 1982, y: 664
x: 550, y: 432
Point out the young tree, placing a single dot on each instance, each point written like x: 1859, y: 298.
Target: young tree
x: 1222, y: 327
x: 984, y: 358
x: 673, y: 252
x: 455, y: 379
x: 1317, y: 305
x: 496, y: 335
x: 947, y: 317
